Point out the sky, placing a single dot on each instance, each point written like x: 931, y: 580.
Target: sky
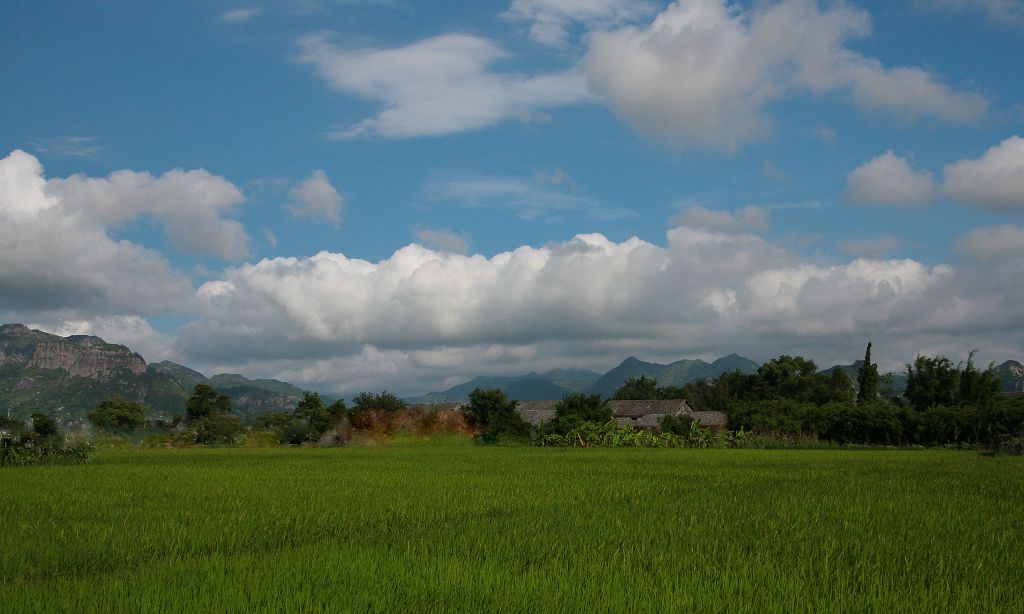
x: 396, y: 194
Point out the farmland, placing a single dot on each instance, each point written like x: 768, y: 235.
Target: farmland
x: 453, y: 526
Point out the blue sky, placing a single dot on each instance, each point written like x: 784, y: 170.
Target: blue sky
x: 499, y: 187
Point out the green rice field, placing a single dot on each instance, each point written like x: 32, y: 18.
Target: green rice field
x: 444, y: 527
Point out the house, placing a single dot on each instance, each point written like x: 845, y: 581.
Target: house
x: 637, y: 414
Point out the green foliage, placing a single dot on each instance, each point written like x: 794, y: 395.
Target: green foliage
x: 322, y: 418
x: 638, y: 389
x: 215, y: 429
x: 118, y: 415
x: 840, y: 387
x: 577, y: 408
x: 978, y: 386
x: 677, y: 425
x: 867, y: 379
x: 385, y: 401
x: 610, y: 435
x: 932, y: 382
x: 206, y: 402
x: 44, y: 426
x: 494, y: 415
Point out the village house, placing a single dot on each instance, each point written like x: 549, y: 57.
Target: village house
x: 637, y: 414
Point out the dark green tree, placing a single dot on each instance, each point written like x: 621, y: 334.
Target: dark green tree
x: 217, y: 429
x: 494, y: 415
x: 118, y: 415
x: 638, y: 389
x: 932, y: 382
x: 867, y: 379
x: 44, y: 426
x: 840, y: 387
x: 576, y: 408
x: 320, y: 418
x: 205, y: 401
x: 978, y: 386
x: 385, y: 401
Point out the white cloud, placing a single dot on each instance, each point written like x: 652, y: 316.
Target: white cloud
x: 875, y: 247
x: 240, y: 15
x: 550, y: 20
x: 443, y: 240
x: 889, y: 180
x: 317, y: 199
x: 436, y: 86
x: 747, y: 219
x: 540, y: 197
x: 703, y: 72
x: 422, y: 316
x: 189, y: 205
x: 994, y: 181
x: 993, y: 242
x: 55, y: 258
x: 1002, y: 12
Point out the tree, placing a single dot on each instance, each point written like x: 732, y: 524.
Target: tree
x: 319, y: 417
x: 205, y: 401
x: 867, y: 379
x: 638, y: 389
x: 932, y: 382
x: 576, y: 408
x: 44, y: 426
x: 385, y: 401
x: 494, y: 415
x: 217, y: 429
x: 118, y: 415
x: 978, y: 386
x: 840, y: 386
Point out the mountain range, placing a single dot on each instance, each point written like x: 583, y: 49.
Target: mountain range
x: 70, y: 376
x: 557, y: 383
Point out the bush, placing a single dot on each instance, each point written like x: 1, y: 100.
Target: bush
x: 494, y: 416
x: 43, y: 451
x: 218, y: 429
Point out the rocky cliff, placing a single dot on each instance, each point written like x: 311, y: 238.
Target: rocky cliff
x: 70, y: 376
x: 78, y: 355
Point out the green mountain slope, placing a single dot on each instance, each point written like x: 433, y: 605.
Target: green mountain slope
x: 69, y: 376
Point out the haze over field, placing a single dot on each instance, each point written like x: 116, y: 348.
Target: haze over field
x: 367, y: 194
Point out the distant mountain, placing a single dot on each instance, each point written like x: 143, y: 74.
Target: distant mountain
x: 70, y: 376
x: 530, y: 387
x: 1011, y: 374
x: 678, y: 373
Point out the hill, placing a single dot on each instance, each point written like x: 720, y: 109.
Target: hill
x: 678, y: 373
x: 70, y: 376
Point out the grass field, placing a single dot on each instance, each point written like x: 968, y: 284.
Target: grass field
x: 459, y: 527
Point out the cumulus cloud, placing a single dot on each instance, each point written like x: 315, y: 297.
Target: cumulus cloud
x: 436, y: 86
x: 56, y: 257
x: 443, y: 240
x: 240, y: 15
x: 875, y: 247
x: 992, y: 242
x: 889, y: 180
x: 316, y: 198
x: 188, y: 204
x: 550, y: 20
x: 424, y: 315
x: 994, y: 181
x: 703, y: 72
x: 744, y: 220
